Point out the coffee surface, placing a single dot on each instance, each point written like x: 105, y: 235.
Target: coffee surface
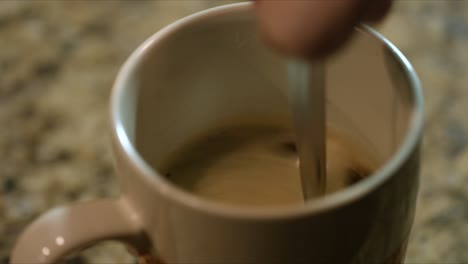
x: 257, y: 166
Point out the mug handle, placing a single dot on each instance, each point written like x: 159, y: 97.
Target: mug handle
x: 65, y: 230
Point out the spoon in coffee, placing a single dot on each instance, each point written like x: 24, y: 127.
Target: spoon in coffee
x: 307, y: 102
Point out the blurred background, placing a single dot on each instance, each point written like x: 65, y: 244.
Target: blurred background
x: 58, y: 60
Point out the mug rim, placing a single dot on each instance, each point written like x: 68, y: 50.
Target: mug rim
x: 170, y: 191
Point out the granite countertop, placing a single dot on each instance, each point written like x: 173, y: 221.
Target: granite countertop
x: 58, y: 61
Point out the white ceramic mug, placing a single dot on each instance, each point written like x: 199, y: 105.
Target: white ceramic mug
x: 209, y: 70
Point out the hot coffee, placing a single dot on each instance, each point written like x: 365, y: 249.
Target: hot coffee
x: 259, y: 166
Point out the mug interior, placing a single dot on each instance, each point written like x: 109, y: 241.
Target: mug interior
x: 211, y: 70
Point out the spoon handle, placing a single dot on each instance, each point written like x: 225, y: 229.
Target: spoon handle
x: 307, y: 100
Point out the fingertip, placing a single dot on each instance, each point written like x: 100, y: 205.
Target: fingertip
x: 277, y: 30
x: 378, y: 10
x: 307, y: 29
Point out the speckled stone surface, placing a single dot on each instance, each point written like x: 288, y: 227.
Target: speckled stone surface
x: 57, y: 64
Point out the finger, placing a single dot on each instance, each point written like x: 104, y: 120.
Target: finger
x: 377, y: 10
x: 308, y: 28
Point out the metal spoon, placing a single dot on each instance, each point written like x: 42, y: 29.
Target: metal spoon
x: 307, y: 100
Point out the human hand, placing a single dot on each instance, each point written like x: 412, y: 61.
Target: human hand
x: 313, y: 29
